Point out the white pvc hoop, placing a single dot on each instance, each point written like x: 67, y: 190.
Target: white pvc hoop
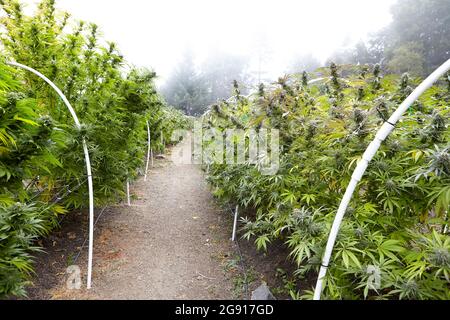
x: 86, y: 157
x: 148, y: 151
x: 233, y: 235
x: 373, y: 147
x: 316, y: 80
x: 128, y: 193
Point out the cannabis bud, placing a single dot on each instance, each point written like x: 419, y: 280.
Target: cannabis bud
x: 382, y: 109
x: 261, y: 90
x: 46, y: 121
x: 358, y: 115
x: 360, y: 95
x: 304, y: 78
x: 404, y: 80
x: 13, y: 97
x: 440, y: 257
x: 376, y: 70
x: 364, y: 71
x: 335, y: 76
x: 389, y: 184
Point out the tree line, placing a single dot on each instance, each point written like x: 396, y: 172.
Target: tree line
x: 417, y: 41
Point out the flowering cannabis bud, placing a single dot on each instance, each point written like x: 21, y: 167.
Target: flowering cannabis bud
x: 437, y: 127
x: 408, y: 90
x: 440, y: 257
x: 404, y: 81
x: 261, y: 90
x: 440, y: 162
x: 283, y: 83
x: 438, y: 121
x: 382, y: 109
x: 376, y: 70
x: 359, y: 232
x: 13, y: 97
x: 389, y: 184
x: 394, y: 146
x: 418, y: 106
x: 381, y: 165
x: 46, y: 121
x: 64, y: 22
x: 360, y: 93
x: 311, y: 130
x: 334, y: 77
x: 411, y: 289
x: 364, y: 70
x: 350, y: 210
x: 358, y: 115
x: 304, y: 78
x: 376, y: 83
x: 82, y: 130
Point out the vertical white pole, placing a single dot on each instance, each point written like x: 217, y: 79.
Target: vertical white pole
x: 86, y: 158
x: 162, y: 142
x: 91, y: 214
x: 233, y: 236
x: 148, y: 151
x: 128, y: 193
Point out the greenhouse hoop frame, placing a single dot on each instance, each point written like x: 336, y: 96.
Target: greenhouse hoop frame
x: 87, y: 160
x: 361, y: 167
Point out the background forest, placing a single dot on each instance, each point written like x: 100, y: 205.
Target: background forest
x: 416, y: 41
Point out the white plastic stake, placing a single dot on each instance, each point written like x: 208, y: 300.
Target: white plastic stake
x: 381, y: 135
x: 128, y: 193
x: 86, y: 158
x: 148, y: 151
x: 233, y: 236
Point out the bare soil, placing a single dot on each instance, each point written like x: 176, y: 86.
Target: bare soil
x: 173, y: 242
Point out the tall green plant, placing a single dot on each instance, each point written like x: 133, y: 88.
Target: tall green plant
x: 396, y: 223
x: 42, y: 168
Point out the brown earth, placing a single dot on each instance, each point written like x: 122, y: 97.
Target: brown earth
x: 173, y: 242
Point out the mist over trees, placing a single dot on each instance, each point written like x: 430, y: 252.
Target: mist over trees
x: 192, y: 88
x: 220, y: 70
x: 416, y: 41
x: 185, y: 88
x: 303, y: 62
x: 420, y: 32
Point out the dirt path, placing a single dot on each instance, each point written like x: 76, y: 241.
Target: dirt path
x: 172, y: 243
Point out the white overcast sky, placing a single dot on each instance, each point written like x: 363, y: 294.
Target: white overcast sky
x: 154, y: 33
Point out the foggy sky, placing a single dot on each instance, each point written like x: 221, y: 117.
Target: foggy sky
x: 154, y: 33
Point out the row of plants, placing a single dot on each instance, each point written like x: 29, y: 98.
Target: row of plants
x: 42, y: 168
x: 397, y: 221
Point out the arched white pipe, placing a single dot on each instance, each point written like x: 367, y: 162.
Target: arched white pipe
x: 148, y: 151
x: 316, y: 80
x: 381, y: 135
x: 86, y: 157
x: 236, y: 213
